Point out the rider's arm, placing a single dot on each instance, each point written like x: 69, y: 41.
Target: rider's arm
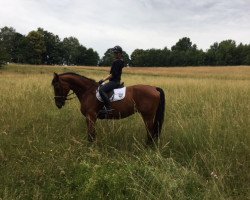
x: 108, y: 77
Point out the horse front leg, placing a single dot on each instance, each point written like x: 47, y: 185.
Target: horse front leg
x: 91, y: 119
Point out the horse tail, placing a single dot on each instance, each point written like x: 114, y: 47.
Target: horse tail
x: 159, y: 117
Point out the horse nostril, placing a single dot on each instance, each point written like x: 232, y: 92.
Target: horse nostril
x: 59, y: 106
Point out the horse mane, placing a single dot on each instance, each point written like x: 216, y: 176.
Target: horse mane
x: 80, y: 76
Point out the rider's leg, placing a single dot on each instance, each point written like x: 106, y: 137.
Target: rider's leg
x: 104, y: 90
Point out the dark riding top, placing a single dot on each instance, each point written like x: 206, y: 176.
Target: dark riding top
x: 116, y: 70
x: 114, y: 82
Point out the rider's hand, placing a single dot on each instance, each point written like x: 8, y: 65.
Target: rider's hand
x: 101, y: 82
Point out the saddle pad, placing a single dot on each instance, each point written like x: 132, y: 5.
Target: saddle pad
x: 118, y: 95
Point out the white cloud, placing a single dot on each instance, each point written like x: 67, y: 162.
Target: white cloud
x: 132, y: 23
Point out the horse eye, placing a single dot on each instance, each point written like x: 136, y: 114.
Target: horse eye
x: 57, y: 85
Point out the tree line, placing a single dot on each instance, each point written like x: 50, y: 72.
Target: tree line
x: 184, y: 53
x: 43, y: 47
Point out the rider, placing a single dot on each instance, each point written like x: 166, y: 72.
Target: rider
x: 114, y: 77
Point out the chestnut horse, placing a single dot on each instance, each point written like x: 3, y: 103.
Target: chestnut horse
x: 149, y: 101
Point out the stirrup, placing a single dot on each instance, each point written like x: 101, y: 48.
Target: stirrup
x: 105, y: 110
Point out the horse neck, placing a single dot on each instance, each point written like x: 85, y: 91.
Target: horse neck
x: 79, y: 85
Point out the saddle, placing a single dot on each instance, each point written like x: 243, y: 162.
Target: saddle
x: 114, y: 95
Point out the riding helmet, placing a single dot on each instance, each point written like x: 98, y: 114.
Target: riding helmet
x: 117, y: 49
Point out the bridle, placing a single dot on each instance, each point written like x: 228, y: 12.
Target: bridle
x: 64, y: 97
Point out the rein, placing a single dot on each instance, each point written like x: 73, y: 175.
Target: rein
x: 66, y: 97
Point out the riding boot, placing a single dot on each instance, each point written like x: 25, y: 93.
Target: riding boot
x: 106, y: 101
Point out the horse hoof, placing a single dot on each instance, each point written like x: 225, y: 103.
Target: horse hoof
x: 152, y: 142
x: 149, y: 142
x: 91, y: 139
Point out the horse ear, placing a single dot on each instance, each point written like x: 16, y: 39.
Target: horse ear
x: 56, y: 77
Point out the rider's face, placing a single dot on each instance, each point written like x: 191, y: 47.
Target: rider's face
x: 117, y: 55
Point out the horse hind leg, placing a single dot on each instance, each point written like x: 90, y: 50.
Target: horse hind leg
x: 149, y: 123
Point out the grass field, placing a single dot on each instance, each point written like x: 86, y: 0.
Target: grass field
x: 204, y: 151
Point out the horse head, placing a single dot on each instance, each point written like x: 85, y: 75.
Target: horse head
x: 61, y: 90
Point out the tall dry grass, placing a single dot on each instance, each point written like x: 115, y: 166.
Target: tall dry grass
x: 203, y: 152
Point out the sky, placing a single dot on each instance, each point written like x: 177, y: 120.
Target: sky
x: 132, y: 24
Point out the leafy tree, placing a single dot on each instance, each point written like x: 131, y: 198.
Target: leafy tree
x: 3, y: 55
x: 92, y: 57
x: 138, y: 58
x: 53, y: 53
x: 86, y: 56
x: 71, y: 48
x: 226, y: 53
x: 184, y: 53
x: 7, y: 36
x: 178, y: 58
x: 195, y: 57
x: 246, y: 58
x: 76, y: 54
x: 243, y: 54
x: 108, y: 58
x: 80, y: 56
x: 165, y: 56
x: 14, y: 45
x: 210, y: 57
x: 35, y: 47
x: 184, y: 44
x: 154, y: 57
x: 20, y: 48
x: 223, y: 53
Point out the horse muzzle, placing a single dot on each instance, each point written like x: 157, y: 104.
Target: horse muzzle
x: 59, y: 103
x: 59, y: 106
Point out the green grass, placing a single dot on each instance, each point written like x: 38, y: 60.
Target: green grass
x: 203, y: 152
